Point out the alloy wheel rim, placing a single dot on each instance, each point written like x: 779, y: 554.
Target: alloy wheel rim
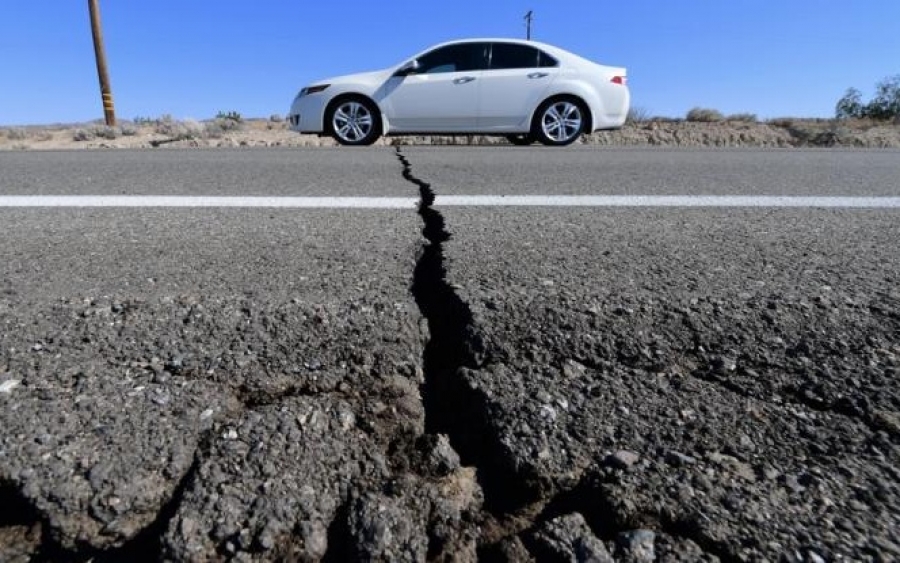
x: 562, y: 121
x: 352, y: 121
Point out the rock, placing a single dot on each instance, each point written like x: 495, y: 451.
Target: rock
x: 7, y: 386
x: 100, y: 464
x: 384, y: 530
x: 679, y: 459
x: 510, y: 550
x: 734, y: 465
x: 722, y: 364
x: 568, y: 538
x: 623, y: 459
x: 637, y: 546
x: 265, y: 487
x: 440, y: 457
x: 814, y: 557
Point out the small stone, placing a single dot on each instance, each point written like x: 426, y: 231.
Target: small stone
x: 623, y: 459
x: 175, y: 363
x: 814, y: 557
x: 721, y: 364
x: 573, y: 369
x: 548, y: 412
x: 679, y: 459
x: 441, y: 458
x: 569, y: 538
x: 638, y: 546
x: 7, y: 386
x: 206, y: 414
x: 161, y: 377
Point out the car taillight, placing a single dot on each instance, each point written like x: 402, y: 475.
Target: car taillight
x: 619, y: 80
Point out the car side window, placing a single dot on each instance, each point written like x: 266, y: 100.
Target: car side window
x: 545, y: 60
x: 461, y: 57
x: 514, y: 55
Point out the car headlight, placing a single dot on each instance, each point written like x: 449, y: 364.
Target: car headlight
x: 313, y: 89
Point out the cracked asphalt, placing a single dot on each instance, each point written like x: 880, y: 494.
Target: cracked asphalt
x: 459, y: 384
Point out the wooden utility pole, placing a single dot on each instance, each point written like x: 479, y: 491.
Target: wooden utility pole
x: 109, y: 111
x: 528, y: 19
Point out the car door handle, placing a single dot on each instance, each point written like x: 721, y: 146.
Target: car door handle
x: 538, y: 75
x: 464, y: 80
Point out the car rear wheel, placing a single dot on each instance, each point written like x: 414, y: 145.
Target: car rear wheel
x: 559, y: 121
x: 522, y: 139
x: 354, y: 122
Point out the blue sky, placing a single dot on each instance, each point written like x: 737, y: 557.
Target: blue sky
x: 194, y: 58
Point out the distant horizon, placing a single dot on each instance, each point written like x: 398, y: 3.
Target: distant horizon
x: 771, y: 59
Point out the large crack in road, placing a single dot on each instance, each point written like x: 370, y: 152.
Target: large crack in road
x: 451, y: 407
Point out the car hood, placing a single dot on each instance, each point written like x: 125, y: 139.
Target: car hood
x: 373, y: 78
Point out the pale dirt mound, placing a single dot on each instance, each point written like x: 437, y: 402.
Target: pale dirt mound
x: 269, y: 133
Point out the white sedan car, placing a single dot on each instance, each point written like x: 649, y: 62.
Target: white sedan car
x: 524, y: 90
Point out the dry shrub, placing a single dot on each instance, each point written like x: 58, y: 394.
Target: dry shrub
x: 743, y: 117
x: 785, y: 122
x: 179, y: 130
x: 637, y: 114
x: 96, y: 132
x: 16, y: 133
x: 80, y: 135
x: 704, y: 115
x: 217, y: 127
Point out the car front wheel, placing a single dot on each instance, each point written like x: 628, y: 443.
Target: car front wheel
x: 354, y: 122
x: 559, y: 122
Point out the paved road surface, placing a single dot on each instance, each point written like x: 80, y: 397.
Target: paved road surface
x: 521, y: 382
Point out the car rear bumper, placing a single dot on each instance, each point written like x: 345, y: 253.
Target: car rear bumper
x: 612, y: 111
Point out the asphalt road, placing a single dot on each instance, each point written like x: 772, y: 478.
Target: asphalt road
x: 500, y: 383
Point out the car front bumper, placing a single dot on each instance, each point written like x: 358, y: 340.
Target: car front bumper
x: 306, y: 114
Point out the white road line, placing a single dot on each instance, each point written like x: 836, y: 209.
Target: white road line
x: 453, y: 201
x: 207, y: 201
x: 667, y: 201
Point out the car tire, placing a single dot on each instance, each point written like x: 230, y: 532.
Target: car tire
x: 521, y: 140
x: 559, y: 121
x: 353, y: 121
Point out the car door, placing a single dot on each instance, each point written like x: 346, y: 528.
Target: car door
x: 442, y: 94
x: 516, y: 81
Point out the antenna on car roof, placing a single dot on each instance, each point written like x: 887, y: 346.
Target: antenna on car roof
x: 529, y: 17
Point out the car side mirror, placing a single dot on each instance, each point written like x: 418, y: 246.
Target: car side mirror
x: 408, y: 68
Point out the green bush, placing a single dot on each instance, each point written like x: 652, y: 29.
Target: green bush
x: 704, y: 115
x: 884, y: 106
x: 230, y: 116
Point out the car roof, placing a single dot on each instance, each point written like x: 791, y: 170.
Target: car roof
x: 545, y: 46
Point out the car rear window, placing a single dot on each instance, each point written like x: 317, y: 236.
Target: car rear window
x: 546, y: 60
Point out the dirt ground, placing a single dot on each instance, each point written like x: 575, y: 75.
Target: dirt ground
x: 274, y: 132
